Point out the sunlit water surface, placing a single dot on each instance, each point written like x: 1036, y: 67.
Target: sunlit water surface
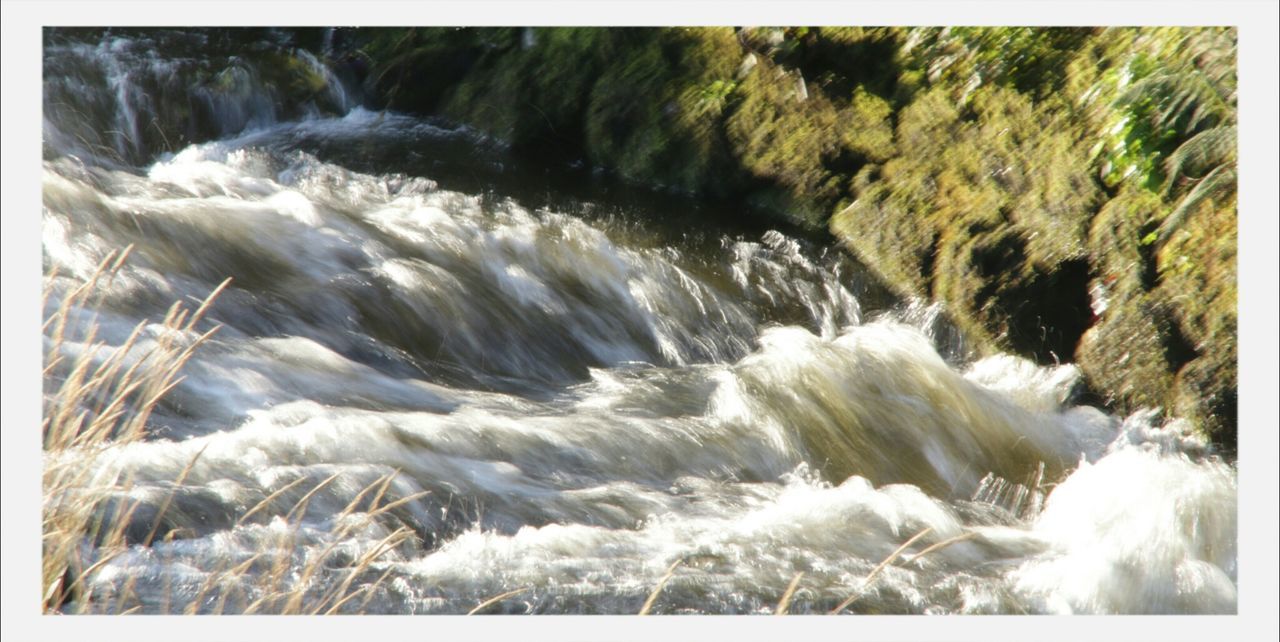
x: 588, y: 400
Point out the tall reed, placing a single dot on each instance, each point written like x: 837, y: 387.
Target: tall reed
x: 98, y: 399
x: 101, y: 403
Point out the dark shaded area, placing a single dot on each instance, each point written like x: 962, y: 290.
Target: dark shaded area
x: 1050, y: 313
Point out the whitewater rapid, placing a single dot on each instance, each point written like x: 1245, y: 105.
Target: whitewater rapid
x: 580, y: 406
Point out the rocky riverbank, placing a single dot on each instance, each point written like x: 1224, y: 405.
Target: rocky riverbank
x: 1068, y: 194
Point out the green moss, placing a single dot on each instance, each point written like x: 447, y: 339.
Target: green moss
x: 292, y: 77
x: 976, y: 266
x: 840, y: 60
x: 866, y: 126
x: 1197, y: 272
x: 1170, y: 322
x: 1124, y: 353
x: 532, y: 94
x: 1197, y: 268
x: 989, y: 221
x: 779, y: 133
x: 1120, y: 258
x: 656, y: 113
x: 883, y: 232
x: 1205, y: 392
x: 1033, y: 61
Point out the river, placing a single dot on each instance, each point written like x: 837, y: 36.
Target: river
x: 582, y: 395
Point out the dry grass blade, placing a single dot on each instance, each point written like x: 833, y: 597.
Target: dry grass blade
x: 379, y: 484
x: 301, y: 507
x: 164, y: 508
x: 398, y: 503
x: 103, y: 402
x: 497, y: 598
x: 294, y: 600
x: 367, y: 590
x: 785, y: 602
x: 193, y: 606
x: 128, y: 590
x: 266, y: 501
x: 653, y: 597
x: 208, y: 300
x: 880, y: 567
x: 943, y: 544
x: 80, y: 579
x: 279, y: 571
x: 376, y: 583
x: 389, y: 542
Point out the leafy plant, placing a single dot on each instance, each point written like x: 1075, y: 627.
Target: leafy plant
x: 1177, y: 130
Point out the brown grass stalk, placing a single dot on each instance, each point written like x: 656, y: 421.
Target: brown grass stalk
x: 880, y: 567
x: 785, y: 602
x: 104, y: 403
x: 497, y: 598
x: 653, y: 597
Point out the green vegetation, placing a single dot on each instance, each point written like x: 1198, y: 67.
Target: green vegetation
x: 1068, y: 193
x: 991, y: 221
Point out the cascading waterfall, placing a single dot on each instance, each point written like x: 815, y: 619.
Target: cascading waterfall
x: 573, y: 403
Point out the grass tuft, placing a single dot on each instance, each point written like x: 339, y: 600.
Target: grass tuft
x: 98, y: 401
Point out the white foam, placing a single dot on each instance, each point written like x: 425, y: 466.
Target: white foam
x: 1138, y: 532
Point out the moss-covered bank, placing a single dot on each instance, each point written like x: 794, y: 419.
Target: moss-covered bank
x: 1068, y: 194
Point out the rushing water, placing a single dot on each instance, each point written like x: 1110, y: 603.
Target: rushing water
x: 580, y: 395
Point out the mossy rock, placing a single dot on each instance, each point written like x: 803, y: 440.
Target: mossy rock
x: 1125, y: 353
x: 836, y: 60
x: 1205, y: 392
x: 781, y: 134
x: 293, y: 76
x: 1197, y: 271
x: 1120, y: 241
x: 994, y: 290
x: 523, y: 89
x: 981, y: 223
x: 866, y: 126
x: 413, y: 68
x: 1170, y: 317
x: 1197, y: 274
x: 1034, y: 61
x: 883, y: 233
x: 655, y: 114
x: 890, y: 226
x: 976, y: 266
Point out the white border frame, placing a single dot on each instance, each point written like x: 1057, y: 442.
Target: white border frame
x: 20, y: 382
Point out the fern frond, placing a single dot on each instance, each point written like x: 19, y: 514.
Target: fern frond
x: 1201, y: 154
x: 1218, y: 185
x: 1186, y: 100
